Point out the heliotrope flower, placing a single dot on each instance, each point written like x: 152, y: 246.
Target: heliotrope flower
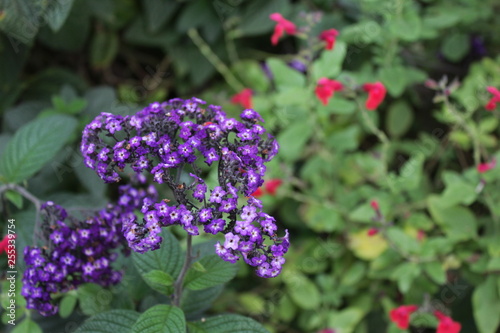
x: 325, y: 89
x: 169, y: 138
x: 376, y: 94
x: 329, y: 36
x: 282, y: 26
x: 401, y: 315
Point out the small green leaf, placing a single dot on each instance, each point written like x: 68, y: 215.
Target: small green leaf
x: 404, y: 274
x: 158, y: 12
x: 436, y: 272
x: 93, y: 299
x: 486, y: 305
x: 285, y: 76
x: 330, y: 62
x: 114, y: 321
x: 160, y: 319
x: 67, y: 305
x: 33, y: 145
x: 488, y: 125
x: 103, y: 49
x: 252, y: 75
x: 458, y: 222
x: 402, y: 241
x: 399, y: 118
x: 217, y: 271
x: 227, y: 323
x: 198, y: 266
x: 456, y: 46
x: 159, y: 281
x: 408, y: 27
x: 293, y: 138
x: 58, y: 13
x: 302, y: 290
x: 27, y: 326
x: 15, y: 198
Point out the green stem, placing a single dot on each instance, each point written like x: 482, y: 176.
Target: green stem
x: 176, y: 298
x: 215, y: 60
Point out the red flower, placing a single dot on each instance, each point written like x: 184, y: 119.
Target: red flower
x: 4, y: 244
x: 283, y: 26
x: 376, y: 94
x: 244, y: 98
x: 483, y: 167
x: 325, y: 89
x: 401, y: 316
x: 492, y: 103
x: 329, y: 37
x: 258, y: 193
x: 374, y: 205
x: 372, y: 232
x: 272, y: 185
x: 446, y: 324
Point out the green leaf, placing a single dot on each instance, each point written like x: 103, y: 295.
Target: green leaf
x: 459, y: 223
x: 402, y: 241
x: 285, y: 76
x: 436, y: 272
x: 486, y: 304
x: 345, y: 320
x: 488, y: 125
x: 252, y: 75
x: 159, y: 281
x: 168, y: 258
x: 302, y: 290
x: 408, y: 27
x: 256, y: 19
x: 227, y: 323
x: 399, y: 118
x: 197, y: 266
x: 58, y: 13
x: 15, y: 198
x: 93, y: 298
x: 293, y: 139
x: 195, y: 302
x: 405, y: 274
x: 158, y: 12
x: 114, y: 321
x: 456, y: 46
x: 33, y: 145
x: 337, y: 105
x: 394, y: 79
x: 217, y: 272
x: 345, y: 140
x: 27, y: 326
x: 160, y: 319
x: 322, y: 218
x: 67, y: 305
x: 329, y: 64
x: 103, y: 49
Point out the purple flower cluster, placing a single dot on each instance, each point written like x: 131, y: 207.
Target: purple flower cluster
x: 169, y: 138
x: 77, y: 251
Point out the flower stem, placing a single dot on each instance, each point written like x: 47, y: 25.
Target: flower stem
x: 215, y: 60
x: 176, y: 298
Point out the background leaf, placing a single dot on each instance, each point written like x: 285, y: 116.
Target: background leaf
x: 113, y: 321
x: 160, y: 319
x: 228, y: 323
x: 217, y: 272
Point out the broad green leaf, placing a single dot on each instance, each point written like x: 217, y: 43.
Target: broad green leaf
x: 93, y: 299
x: 195, y: 302
x: 345, y: 320
x: 160, y: 319
x: 58, y: 13
x: 168, y: 258
x: 227, y: 323
x: 67, y: 305
x: 322, y: 218
x: 252, y: 75
x: 27, y: 326
x: 488, y: 125
x: 33, y: 145
x: 158, y: 12
x: 302, y: 290
x: 405, y: 274
x: 354, y: 274
x: 114, y: 321
x: 436, y: 272
x: 408, y: 27
x: 159, y: 281
x: 293, y: 139
x: 399, y: 118
x: 459, y: 223
x: 402, y: 241
x: 103, y: 49
x: 285, y: 76
x: 345, y: 140
x: 217, y: 272
x: 337, y: 105
x: 393, y: 79
x: 486, y: 305
x: 256, y: 20
x: 329, y: 64
x: 455, y: 46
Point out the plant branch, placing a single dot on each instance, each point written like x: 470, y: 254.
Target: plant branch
x: 176, y: 299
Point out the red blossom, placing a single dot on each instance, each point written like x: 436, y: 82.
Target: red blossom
x: 483, y: 167
x: 258, y: 193
x: 446, y: 324
x: 4, y: 244
x: 374, y: 204
x: 272, y: 185
x: 325, y: 89
x: 282, y: 26
x: 492, y: 103
x: 244, y: 98
x: 376, y: 94
x: 372, y: 231
x: 329, y: 37
x: 401, y: 316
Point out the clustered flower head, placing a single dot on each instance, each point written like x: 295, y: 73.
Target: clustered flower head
x: 77, y: 251
x: 169, y: 138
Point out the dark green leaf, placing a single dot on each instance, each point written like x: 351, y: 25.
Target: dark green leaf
x: 58, y: 13
x: 436, y: 272
x: 195, y: 302
x: 33, y: 145
x: 486, y: 305
x: 399, y: 118
x: 103, y: 49
x: 159, y: 281
x: 93, y: 298
x: 160, y: 319
x: 256, y: 17
x: 228, y: 323
x: 455, y: 46
x: 114, y: 321
x: 27, y: 326
x: 217, y: 272
x: 158, y: 12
